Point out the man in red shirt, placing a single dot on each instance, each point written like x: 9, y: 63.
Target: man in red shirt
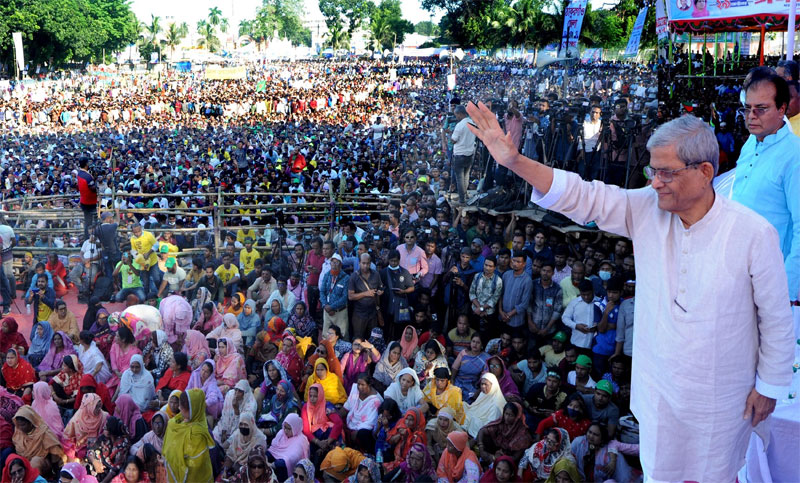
x: 88, y: 191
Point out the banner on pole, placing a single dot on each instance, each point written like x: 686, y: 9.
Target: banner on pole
x: 632, y: 50
x: 723, y: 9
x: 451, y: 82
x: 745, y: 40
x: 662, y: 24
x: 17, y: 37
x: 573, y: 20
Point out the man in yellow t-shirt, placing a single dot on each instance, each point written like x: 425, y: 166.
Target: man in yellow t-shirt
x: 228, y: 275
x: 248, y: 256
x: 144, y: 244
x: 793, y: 111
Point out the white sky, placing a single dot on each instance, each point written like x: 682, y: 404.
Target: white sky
x: 191, y: 11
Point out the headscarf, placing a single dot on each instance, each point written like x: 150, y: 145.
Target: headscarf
x: 440, y: 435
x: 308, y: 466
x: 38, y: 442
x: 45, y: 407
x: 427, y: 470
x: 280, y: 408
x: 409, y: 347
x: 491, y: 476
x: 90, y: 316
x: 13, y: 337
x: 341, y: 463
x: 31, y: 473
x: 414, y: 396
x: 189, y: 440
x: 250, y: 322
x: 128, y: 412
x: 176, y: 316
x: 229, y: 329
x: 275, y: 328
x: 269, y: 314
x: 150, y: 437
x: 40, y: 345
x: 196, y: 344
x: 96, y: 328
x: 228, y: 419
x: 201, y: 298
x: 565, y: 463
x: 239, y: 446
x: 542, y: 459
x: 355, y: 366
x: 372, y: 466
x: 52, y: 360
x: 140, y: 386
x: 210, y: 387
x: 304, y: 325
x: 87, y: 380
x: 20, y: 375
x: 161, y: 339
x: 290, y: 450
x: 78, y: 473
x: 486, y: 408
x: 376, y: 339
x: 451, y: 467
x: 507, y: 384
x: 317, y: 413
x: 510, y: 437
x: 282, y: 375
x: 176, y: 393
x: 411, y: 436
x: 385, y: 371
x: 290, y: 361
x: 231, y: 365
x: 231, y: 310
x: 84, y: 423
x: 334, y: 391
x: 9, y: 404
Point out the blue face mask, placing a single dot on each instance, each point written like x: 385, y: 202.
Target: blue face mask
x: 573, y: 413
x: 393, y: 268
x: 604, y: 275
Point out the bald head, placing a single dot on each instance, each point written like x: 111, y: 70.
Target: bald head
x: 364, y: 262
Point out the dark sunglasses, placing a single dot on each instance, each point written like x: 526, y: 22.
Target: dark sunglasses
x: 299, y: 477
x: 257, y: 466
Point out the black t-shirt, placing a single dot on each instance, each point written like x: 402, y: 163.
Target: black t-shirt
x: 537, y: 398
x: 107, y: 235
x: 364, y: 307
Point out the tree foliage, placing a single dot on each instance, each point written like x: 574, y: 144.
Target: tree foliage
x: 346, y: 16
x: 278, y: 18
x: 56, y: 32
x: 427, y: 28
x: 387, y: 26
x: 208, y: 36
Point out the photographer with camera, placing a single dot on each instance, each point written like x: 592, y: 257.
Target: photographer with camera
x: 463, y: 152
x: 618, y: 150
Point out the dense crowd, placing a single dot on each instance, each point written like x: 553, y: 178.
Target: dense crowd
x: 425, y: 341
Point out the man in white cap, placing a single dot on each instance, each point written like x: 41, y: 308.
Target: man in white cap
x: 713, y: 344
x: 333, y: 297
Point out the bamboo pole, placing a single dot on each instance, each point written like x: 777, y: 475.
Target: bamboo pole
x: 217, y: 222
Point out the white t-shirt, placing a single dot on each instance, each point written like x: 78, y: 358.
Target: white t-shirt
x: 463, y: 139
x: 572, y: 378
x: 591, y: 134
x: 377, y: 131
x: 88, y: 250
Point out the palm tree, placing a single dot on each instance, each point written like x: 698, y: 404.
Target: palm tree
x: 208, y: 36
x: 223, y: 25
x: 184, y: 29
x: 336, y: 37
x: 380, y: 32
x: 154, y: 28
x: 173, y: 37
x: 214, y: 16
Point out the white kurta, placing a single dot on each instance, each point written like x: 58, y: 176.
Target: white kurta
x: 712, y: 321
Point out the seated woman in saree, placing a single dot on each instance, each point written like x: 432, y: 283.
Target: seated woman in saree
x: 10, y: 337
x: 429, y: 360
x: 322, y: 425
x: 487, y: 407
x: 155, y: 436
x: 274, y: 412
x: 326, y: 351
x: 176, y: 378
x: 172, y: 406
x: 236, y: 304
x: 501, y: 472
x: 210, y: 319
x: 34, y: 441
x: 107, y: 455
x: 538, y: 460
x: 60, y: 346
x: 360, y: 413
x: 187, y: 442
x: 409, y: 341
x: 89, y: 385
x: 334, y: 391
x: 598, y: 458
x: 122, y: 351
x: 229, y: 330
x: 458, y: 463
x: 238, y: 401
x: 418, y: 464
x: 468, y: 367
x: 244, y: 439
x: 340, y: 463
x: 290, y: 359
x: 389, y: 416
x: 19, y: 376
x: 19, y: 470
x: 45, y: 407
x: 497, y: 366
x: 128, y: 412
x: 203, y: 378
x: 229, y: 363
x: 405, y: 390
x: 574, y: 418
x: 158, y: 354
x: 103, y: 335
x: 196, y: 347
x: 41, y: 337
x: 289, y: 446
x: 440, y: 393
x: 66, y: 383
x: 507, y: 436
x: 274, y: 308
x: 301, y: 321
x: 358, y: 360
x: 249, y: 322
x: 257, y: 470
x: 93, y: 361
x: 273, y: 374
x: 137, y: 382
x: 390, y: 365
x: 87, y: 423
x: 565, y: 470
x: 438, y: 429
x: 410, y: 430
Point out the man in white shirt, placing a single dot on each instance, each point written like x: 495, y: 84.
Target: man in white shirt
x: 714, y: 341
x: 591, y: 136
x: 582, y: 315
x: 463, y: 151
x: 377, y: 130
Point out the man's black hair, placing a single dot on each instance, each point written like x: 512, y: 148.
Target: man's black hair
x: 758, y: 75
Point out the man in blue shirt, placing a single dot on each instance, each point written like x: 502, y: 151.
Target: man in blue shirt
x: 768, y: 170
x: 516, y: 293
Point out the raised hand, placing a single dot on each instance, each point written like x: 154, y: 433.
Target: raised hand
x: 488, y: 130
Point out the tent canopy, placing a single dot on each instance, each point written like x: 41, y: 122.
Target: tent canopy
x: 727, y: 15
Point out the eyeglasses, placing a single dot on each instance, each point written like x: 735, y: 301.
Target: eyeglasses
x: 299, y: 477
x: 257, y: 466
x: 758, y: 111
x: 494, y: 365
x: 410, y: 237
x: 666, y: 175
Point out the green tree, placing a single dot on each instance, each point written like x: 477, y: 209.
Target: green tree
x: 173, y: 36
x: 427, y: 28
x: 351, y: 14
x: 148, y: 40
x: 387, y: 26
x: 214, y: 16
x: 336, y: 37
x: 208, y: 36
x: 282, y: 18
